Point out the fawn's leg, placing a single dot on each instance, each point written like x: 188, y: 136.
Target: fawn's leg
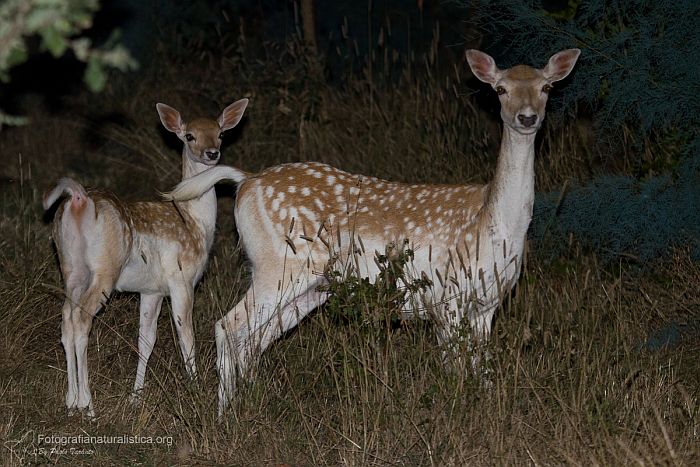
x: 93, y: 299
x: 77, y: 279
x: 149, y: 310
x: 181, y: 297
x: 68, y: 340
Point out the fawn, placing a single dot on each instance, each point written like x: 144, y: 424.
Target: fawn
x: 157, y: 249
x: 468, y: 240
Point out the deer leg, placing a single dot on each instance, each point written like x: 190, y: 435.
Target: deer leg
x: 451, y: 330
x: 449, y: 312
x: 181, y: 302
x: 149, y: 310
x: 232, y: 332
x: 480, y: 321
x: 77, y: 279
x: 256, y: 321
x: 292, y: 313
x: 68, y: 340
x: 82, y: 318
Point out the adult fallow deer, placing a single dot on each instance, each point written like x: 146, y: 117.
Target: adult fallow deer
x: 467, y: 239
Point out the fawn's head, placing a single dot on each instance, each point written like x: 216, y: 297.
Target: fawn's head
x: 202, y: 136
x: 522, y: 90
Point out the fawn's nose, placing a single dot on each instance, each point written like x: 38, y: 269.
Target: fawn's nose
x: 527, y: 120
x: 212, y: 154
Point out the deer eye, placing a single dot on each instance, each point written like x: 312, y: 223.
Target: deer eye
x: 546, y: 88
x: 221, y: 135
x: 500, y: 90
x: 189, y: 137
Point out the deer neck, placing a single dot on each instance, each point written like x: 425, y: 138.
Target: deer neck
x: 512, y: 191
x: 202, y: 209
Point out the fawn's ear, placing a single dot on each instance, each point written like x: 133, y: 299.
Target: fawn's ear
x: 561, y: 64
x: 483, y: 66
x: 170, y: 118
x: 232, y: 114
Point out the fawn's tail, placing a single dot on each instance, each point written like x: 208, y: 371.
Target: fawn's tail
x: 66, y: 186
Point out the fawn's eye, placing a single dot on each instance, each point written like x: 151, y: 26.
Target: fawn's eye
x: 221, y: 135
x: 546, y: 88
x: 500, y: 90
x: 189, y: 137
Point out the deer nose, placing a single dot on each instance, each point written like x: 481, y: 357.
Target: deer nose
x: 212, y: 154
x: 527, y: 120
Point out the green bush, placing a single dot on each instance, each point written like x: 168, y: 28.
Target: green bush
x: 58, y: 24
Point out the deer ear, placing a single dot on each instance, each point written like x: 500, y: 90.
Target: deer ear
x: 561, y: 64
x: 483, y: 66
x: 232, y: 114
x: 170, y: 118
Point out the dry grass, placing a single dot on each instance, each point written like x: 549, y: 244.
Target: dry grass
x: 573, y: 381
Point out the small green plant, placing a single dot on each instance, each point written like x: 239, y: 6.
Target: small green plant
x: 375, y: 306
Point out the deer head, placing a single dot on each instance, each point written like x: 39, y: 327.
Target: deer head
x: 522, y: 90
x: 202, y: 137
